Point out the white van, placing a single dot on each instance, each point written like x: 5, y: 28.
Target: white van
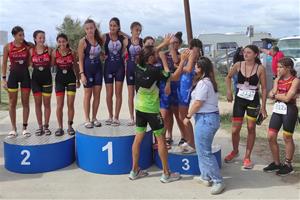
x: 290, y: 46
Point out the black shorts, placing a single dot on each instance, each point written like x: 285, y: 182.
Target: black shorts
x: 241, y: 106
x: 65, y: 80
x: 155, y: 121
x: 19, y: 76
x: 288, y: 121
x: 41, y: 82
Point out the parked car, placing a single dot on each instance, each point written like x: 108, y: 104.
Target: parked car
x: 290, y: 46
x: 224, y: 62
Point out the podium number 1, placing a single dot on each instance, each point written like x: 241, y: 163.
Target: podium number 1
x: 109, y: 149
x: 27, y: 155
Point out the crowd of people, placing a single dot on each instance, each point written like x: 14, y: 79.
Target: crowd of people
x: 164, y: 84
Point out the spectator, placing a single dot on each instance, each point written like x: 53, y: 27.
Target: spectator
x: 276, y: 56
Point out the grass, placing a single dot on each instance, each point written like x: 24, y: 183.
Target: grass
x: 4, y: 99
x: 221, y: 85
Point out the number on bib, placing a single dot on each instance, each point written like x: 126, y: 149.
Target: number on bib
x: 246, y: 94
x: 280, y: 108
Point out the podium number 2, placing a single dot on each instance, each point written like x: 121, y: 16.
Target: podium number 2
x: 25, y: 159
x: 109, y: 149
x: 186, y: 164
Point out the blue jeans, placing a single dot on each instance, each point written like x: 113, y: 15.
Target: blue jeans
x: 206, y: 126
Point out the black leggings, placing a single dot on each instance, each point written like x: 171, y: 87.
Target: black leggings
x: 288, y: 121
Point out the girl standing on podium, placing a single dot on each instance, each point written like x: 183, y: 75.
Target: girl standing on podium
x: 114, y: 69
x: 66, y: 79
x: 17, y: 52
x: 40, y: 60
x: 135, y: 45
x: 91, y: 71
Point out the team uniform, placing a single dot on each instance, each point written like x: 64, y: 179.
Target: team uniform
x: 147, y: 98
x: 185, y: 88
x: 246, y: 97
x: 65, y: 78
x: 41, y: 75
x: 114, y: 68
x: 166, y: 101
x: 133, y: 51
x: 19, y: 73
x: 93, y: 69
x: 284, y: 114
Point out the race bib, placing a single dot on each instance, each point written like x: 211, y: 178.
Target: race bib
x: 246, y: 94
x: 280, y: 108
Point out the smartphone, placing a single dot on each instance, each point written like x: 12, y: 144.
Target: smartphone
x: 259, y: 119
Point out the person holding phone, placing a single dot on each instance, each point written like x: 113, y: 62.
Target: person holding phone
x: 251, y: 73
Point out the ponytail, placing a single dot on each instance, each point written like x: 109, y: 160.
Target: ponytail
x: 97, y: 36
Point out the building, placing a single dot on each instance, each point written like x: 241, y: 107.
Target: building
x: 217, y: 43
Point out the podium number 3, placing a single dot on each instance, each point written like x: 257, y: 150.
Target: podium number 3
x: 25, y: 159
x: 109, y: 149
x: 186, y: 164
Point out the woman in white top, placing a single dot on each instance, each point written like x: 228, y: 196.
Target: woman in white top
x: 204, y: 107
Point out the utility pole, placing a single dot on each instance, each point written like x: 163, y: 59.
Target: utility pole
x: 188, y: 20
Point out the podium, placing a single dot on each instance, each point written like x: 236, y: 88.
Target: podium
x: 107, y: 149
x: 37, y: 154
x: 185, y: 163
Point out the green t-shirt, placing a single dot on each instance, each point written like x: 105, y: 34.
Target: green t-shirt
x: 147, y: 91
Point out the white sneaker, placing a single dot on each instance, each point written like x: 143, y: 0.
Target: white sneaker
x: 217, y: 188
x: 202, y: 181
x: 170, y: 178
x: 139, y: 174
x: 187, y: 149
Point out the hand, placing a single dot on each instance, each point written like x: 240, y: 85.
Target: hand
x: 103, y: 57
x: 229, y: 96
x: 278, y: 75
x: 276, y: 79
x: 167, y: 39
x: 4, y: 84
x: 264, y: 112
x: 185, y: 54
x: 78, y: 84
x: 83, y: 79
x: 186, y: 121
x: 168, y: 89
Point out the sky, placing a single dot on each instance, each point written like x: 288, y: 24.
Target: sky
x: 278, y: 17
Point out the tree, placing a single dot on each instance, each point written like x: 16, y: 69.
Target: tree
x: 73, y: 29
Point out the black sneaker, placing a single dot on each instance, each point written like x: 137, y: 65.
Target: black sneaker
x: 272, y: 167
x: 285, y: 170
x: 182, y: 140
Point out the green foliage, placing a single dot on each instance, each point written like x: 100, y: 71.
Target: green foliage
x: 73, y: 28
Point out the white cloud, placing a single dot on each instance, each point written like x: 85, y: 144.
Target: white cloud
x: 158, y: 17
